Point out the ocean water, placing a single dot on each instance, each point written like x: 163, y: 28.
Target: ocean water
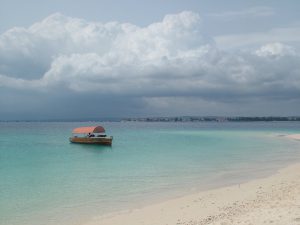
x: 46, y: 180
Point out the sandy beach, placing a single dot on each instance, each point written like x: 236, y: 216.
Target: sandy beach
x: 271, y: 200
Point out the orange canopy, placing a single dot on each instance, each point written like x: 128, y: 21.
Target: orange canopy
x: 86, y: 130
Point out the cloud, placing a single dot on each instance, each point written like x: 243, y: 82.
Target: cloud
x: 63, y: 60
x: 237, y: 41
x: 254, y: 12
x: 86, y: 56
x: 275, y: 50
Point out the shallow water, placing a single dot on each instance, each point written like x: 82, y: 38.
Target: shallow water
x: 44, y: 179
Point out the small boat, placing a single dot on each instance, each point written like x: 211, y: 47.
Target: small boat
x: 90, y: 135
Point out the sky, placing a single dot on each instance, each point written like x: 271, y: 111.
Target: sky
x: 98, y: 59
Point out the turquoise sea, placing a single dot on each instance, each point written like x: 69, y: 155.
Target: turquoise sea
x: 46, y: 180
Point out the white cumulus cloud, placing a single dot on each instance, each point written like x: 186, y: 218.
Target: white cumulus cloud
x: 170, y: 58
x: 275, y: 50
x: 259, y: 11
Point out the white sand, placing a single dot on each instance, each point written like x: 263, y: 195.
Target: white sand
x: 274, y: 200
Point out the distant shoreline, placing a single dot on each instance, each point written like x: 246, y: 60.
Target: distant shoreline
x: 212, y: 119
x: 175, y: 119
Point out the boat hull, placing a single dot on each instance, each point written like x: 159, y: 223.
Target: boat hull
x: 92, y: 140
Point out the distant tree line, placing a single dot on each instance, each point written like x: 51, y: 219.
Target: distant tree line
x: 212, y: 119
